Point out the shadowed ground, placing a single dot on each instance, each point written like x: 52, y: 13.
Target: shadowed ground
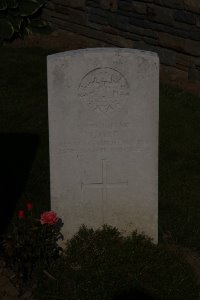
x: 17, y: 153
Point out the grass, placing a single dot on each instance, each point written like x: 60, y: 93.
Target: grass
x: 23, y: 102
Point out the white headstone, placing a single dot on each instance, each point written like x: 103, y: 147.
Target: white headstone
x: 103, y: 133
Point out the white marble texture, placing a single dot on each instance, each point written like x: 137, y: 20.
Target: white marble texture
x: 103, y: 135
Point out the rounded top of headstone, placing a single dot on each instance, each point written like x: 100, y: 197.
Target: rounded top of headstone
x: 114, y: 50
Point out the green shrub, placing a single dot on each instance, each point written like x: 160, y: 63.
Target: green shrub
x: 20, y: 17
x: 102, y: 264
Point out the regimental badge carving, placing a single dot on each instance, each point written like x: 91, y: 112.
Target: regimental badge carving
x: 104, y: 90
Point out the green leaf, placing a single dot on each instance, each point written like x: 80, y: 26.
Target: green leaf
x: 6, y: 29
x: 3, y: 4
x: 12, y: 3
x: 28, y: 30
x: 38, y: 23
x: 29, y: 7
x: 42, y: 2
x: 28, y: 21
x: 42, y: 30
x: 13, y: 12
x: 16, y: 22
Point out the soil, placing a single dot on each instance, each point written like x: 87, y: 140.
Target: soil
x: 9, y: 286
x: 190, y: 256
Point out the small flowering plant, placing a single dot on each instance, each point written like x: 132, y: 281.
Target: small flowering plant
x: 33, y: 242
x: 49, y: 217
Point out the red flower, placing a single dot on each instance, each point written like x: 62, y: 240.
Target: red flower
x: 29, y: 206
x: 21, y: 214
x: 49, y: 217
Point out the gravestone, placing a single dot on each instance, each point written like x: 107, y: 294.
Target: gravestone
x: 103, y: 133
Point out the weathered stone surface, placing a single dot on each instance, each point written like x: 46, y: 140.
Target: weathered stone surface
x: 182, y: 45
x: 157, y: 27
x: 143, y: 31
x: 184, y: 60
x: 92, y: 3
x: 97, y: 19
x: 173, y: 74
x: 194, y: 74
x: 166, y: 3
x: 47, y: 15
x: 198, y: 22
x: 72, y: 14
x: 160, y: 14
x: 185, y: 30
x: 109, y: 4
x: 166, y: 25
x: 72, y: 3
x: 103, y: 127
x: 142, y: 45
x: 99, y: 12
x: 111, y: 39
x: 149, y: 40
x: 124, y: 5
x: 185, y: 27
x: 173, y: 3
x: 197, y: 61
x: 185, y: 17
x: 104, y: 28
x: 139, y: 8
x: 192, y: 5
x: 49, y: 5
x: 132, y: 36
x: 111, y: 30
x: 120, y: 22
x: 166, y: 56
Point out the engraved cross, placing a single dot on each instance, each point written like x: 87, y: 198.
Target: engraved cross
x: 103, y: 184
